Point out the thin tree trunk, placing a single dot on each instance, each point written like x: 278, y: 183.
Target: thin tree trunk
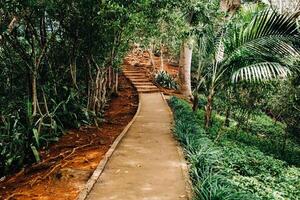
x: 161, y: 58
x: 195, y: 102
x: 34, y: 93
x: 110, y: 76
x: 185, y: 67
x: 150, y: 52
x: 117, y: 83
x: 113, y: 76
x: 73, y: 71
x: 228, y: 112
x: 103, y: 96
x: 208, y: 111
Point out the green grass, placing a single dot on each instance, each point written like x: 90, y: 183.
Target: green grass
x: 234, y: 167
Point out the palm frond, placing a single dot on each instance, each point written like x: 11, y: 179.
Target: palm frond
x: 279, y: 45
x: 270, y: 37
x: 260, y: 72
x: 219, y: 55
x: 268, y: 23
x: 268, y: 31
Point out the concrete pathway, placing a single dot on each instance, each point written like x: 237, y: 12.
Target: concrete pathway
x: 146, y: 165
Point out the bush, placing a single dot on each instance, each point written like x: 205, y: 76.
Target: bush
x: 21, y: 135
x: 164, y: 79
x: 269, y: 138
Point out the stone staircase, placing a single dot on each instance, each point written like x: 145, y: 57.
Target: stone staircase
x: 140, y: 81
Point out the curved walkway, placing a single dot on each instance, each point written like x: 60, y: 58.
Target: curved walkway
x: 146, y: 164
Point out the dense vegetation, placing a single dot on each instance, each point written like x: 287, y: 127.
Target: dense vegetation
x: 237, y: 164
x: 164, y: 79
x: 59, y: 64
x: 241, y: 135
x: 238, y: 63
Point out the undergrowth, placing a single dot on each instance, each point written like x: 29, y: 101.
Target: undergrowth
x: 165, y: 80
x: 231, y: 167
x: 22, y: 134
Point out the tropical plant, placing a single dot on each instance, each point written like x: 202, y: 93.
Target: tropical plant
x: 256, y: 52
x: 164, y: 79
x: 197, y: 15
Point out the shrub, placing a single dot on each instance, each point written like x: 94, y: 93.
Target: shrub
x: 164, y: 79
x: 21, y: 134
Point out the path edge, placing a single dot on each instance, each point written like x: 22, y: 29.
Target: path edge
x: 83, y: 194
x: 184, y: 166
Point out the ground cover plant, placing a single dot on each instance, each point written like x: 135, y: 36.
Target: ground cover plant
x: 229, y: 168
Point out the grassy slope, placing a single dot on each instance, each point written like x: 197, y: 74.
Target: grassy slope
x: 237, y: 166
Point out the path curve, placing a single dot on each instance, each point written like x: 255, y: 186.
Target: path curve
x: 146, y: 165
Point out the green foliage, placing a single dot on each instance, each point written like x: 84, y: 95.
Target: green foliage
x: 259, y: 130
x: 164, y: 79
x: 13, y: 144
x: 57, y: 64
x: 256, y: 51
x: 284, y: 104
x: 229, y: 169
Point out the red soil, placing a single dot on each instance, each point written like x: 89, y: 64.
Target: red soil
x: 67, y: 165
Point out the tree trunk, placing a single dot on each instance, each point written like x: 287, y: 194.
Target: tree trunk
x: 73, y: 72
x: 34, y: 94
x: 161, y: 58
x: 228, y: 112
x: 109, y: 77
x: 208, y: 111
x: 150, y: 52
x: 117, y: 83
x: 185, y: 67
x: 195, y: 102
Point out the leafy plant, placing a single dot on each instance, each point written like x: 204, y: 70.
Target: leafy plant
x: 164, y: 79
x: 229, y: 169
x: 257, y: 51
x: 58, y: 68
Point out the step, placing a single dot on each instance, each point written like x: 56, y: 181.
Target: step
x: 147, y: 90
x: 145, y: 87
x: 136, y: 76
x: 133, y: 72
x: 139, y: 80
x: 144, y: 83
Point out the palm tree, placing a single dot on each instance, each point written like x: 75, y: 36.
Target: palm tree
x: 197, y: 14
x: 259, y: 51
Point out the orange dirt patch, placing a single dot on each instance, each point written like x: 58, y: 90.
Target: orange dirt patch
x: 67, y: 165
